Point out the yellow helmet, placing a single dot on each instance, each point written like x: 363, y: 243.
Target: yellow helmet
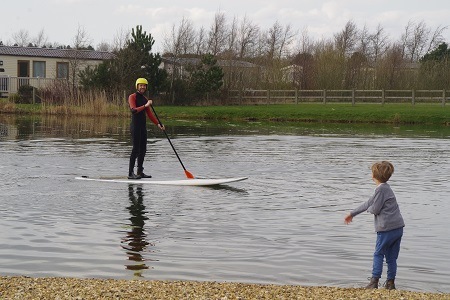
x: 142, y: 81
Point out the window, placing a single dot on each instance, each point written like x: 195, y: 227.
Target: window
x: 62, y: 70
x: 39, y: 69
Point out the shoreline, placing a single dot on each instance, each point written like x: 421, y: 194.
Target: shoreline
x: 397, y: 114
x: 21, y: 287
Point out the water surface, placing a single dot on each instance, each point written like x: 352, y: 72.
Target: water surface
x: 283, y: 225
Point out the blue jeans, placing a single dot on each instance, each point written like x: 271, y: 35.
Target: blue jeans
x: 388, y: 245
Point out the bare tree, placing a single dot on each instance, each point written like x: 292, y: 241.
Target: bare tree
x: 232, y: 38
x: 345, y: 40
x: 278, y: 39
x: 181, y: 39
x: 21, y: 38
x: 273, y: 40
x: 437, y: 38
x: 120, y: 39
x: 41, y: 39
x: 217, y: 34
x: 186, y: 34
x: 329, y: 65
x: 103, y: 46
x: 247, y: 36
x: 363, y: 42
x: 286, y: 41
x: 306, y: 45
x: 418, y: 39
x: 379, y: 43
x: 388, y: 70
x: 200, y: 41
x: 81, y: 41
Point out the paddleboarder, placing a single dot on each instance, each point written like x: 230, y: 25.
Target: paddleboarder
x: 388, y: 224
x: 139, y: 106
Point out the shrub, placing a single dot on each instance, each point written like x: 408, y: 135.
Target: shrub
x: 25, y: 94
x: 14, y: 98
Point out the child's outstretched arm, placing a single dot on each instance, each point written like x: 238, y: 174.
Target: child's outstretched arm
x: 348, y: 219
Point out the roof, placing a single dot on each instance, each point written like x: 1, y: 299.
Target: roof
x: 220, y: 62
x: 55, y: 53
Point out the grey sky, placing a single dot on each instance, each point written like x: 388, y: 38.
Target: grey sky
x: 103, y: 20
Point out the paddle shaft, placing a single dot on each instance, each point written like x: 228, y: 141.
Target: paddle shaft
x: 170, y: 142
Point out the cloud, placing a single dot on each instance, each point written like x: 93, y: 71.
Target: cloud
x: 330, y: 9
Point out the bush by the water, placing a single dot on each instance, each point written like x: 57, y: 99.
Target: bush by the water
x: 25, y: 94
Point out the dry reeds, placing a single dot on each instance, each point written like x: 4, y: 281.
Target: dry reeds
x: 60, y: 98
x: 7, y: 107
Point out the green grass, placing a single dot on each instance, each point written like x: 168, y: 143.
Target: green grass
x: 403, y: 113
x: 332, y: 113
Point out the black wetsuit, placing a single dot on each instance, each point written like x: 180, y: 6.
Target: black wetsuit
x: 138, y: 130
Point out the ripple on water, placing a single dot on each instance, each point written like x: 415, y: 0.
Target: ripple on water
x: 283, y: 225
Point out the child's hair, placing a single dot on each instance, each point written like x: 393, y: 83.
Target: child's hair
x: 382, y: 171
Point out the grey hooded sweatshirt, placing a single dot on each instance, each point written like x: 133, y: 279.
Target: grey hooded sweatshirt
x: 383, y: 205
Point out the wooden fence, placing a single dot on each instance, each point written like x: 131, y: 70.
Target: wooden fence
x: 246, y: 97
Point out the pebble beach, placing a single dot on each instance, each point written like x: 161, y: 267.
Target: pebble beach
x: 80, y: 289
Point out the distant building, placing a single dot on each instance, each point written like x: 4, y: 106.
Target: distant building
x: 234, y: 70
x: 292, y: 74
x: 34, y: 66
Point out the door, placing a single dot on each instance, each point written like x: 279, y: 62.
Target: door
x: 23, y: 72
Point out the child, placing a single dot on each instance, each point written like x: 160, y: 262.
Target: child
x: 388, y: 224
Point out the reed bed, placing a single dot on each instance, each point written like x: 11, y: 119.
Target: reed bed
x: 87, y: 103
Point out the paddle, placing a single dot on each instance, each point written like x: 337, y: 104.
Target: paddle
x: 188, y: 174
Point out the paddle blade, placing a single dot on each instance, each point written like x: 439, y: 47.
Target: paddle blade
x: 188, y: 174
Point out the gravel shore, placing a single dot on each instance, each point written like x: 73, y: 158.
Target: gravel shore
x: 80, y: 289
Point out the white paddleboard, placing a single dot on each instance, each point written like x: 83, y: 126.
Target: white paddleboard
x: 192, y: 182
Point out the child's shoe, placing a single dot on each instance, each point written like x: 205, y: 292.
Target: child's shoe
x: 389, y: 284
x: 373, y: 284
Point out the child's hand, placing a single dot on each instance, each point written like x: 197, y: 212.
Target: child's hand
x: 348, y: 219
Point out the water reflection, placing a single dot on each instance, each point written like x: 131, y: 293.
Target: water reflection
x: 275, y: 227
x: 32, y: 126
x: 228, y: 188
x: 135, y: 242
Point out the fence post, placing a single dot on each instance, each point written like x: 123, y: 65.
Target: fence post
x: 324, y: 96
x: 413, y: 97
x: 383, y: 96
x: 353, y: 97
x: 296, y: 96
x: 443, y: 97
x: 268, y: 96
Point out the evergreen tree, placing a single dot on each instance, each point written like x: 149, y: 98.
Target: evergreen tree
x: 206, y: 77
x: 145, y: 63
x: 133, y: 61
x: 434, y: 70
x: 440, y: 53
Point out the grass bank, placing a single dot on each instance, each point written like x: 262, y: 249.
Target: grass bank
x: 331, y: 113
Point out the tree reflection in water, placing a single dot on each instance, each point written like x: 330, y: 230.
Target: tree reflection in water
x: 135, y: 241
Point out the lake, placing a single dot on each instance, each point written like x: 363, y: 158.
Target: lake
x: 284, y: 225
